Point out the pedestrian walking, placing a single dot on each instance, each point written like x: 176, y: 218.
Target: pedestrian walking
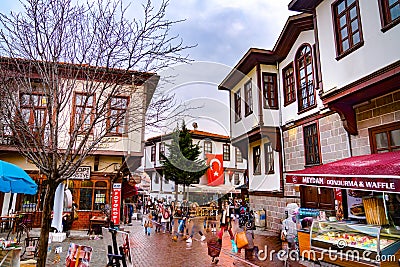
x: 158, y: 219
x: 249, y: 249
x: 226, y: 225
x: 181, y: 228
x: 147, y: 227
x: 248, y: 228
x: 194, y: 228
x: 165, y: 218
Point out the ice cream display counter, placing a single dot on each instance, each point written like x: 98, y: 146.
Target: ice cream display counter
x: 346, y: 244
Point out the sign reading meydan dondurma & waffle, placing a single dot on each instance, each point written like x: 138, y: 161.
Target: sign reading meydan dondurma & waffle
x: 358, y: 183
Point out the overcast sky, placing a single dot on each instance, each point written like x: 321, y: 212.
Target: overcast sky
x: 223, y: 31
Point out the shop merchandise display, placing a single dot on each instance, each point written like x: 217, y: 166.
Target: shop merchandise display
x: 354, y: 240
x: 375, y: 211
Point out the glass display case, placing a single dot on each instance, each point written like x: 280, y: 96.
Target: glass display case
x: 363, y: 243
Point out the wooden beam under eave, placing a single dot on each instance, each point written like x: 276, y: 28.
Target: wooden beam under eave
x: 348, y: 116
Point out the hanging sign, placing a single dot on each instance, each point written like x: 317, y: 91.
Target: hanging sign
x: 116, y: 203
x: 82, y: 173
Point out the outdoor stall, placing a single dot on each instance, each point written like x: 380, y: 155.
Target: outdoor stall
x: 15, y: 180
x: 365, y: 226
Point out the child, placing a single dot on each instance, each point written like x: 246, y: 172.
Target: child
x: 147, y: 227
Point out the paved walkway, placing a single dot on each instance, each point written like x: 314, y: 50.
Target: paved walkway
x: 158, y: 249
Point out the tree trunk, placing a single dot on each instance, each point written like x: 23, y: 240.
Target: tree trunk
x: 45, y: 224
x: 184, y: 192
x: 176, y: 192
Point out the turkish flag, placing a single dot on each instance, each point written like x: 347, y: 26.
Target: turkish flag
x: 215, y: 171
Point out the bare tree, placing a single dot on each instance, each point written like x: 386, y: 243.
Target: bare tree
x: 54, y: 49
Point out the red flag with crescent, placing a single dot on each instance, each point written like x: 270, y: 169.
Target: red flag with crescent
x: 215, y: 171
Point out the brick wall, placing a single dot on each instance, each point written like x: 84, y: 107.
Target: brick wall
x: 274, y: 207
x: 80, y: 224
x: 379, y: 111
x: 83, y: 219
x: 333, y: 140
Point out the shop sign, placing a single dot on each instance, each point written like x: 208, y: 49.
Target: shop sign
x: 82, y: 173
x: 339, y: 203
x: 116, y: 203
x: 355, y: 206
x: 359, y: 183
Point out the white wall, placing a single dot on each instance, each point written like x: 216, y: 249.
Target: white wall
x: 290, y: 112
x: 270, y: 116
x: 379, y: 49
x: 246, y: 123
x: 217, y: 148
x: 263, y: 182
x: 133, y: 143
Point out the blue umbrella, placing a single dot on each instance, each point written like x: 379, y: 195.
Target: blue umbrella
x: 15, y: 180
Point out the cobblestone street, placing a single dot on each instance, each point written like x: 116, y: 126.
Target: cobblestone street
x: 158, y: 249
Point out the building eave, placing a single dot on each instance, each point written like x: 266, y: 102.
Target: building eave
x: 290, y: 32
x: 254, y: 56
x: 304, y: 5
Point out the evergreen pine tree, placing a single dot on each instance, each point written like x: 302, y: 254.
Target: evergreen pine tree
x: 182, y: 164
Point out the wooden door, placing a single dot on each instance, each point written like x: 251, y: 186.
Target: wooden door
x: 326, y: 199
x: 309, y: 197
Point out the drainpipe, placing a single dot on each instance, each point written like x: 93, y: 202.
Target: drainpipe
x: 278, y: 81
x: 230, y: 113
x: 317, y: 54
x: 348, y: 144
x: 260, y: 96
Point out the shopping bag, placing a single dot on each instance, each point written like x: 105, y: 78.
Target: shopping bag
x: 241, y: 240
x: 214, y: 246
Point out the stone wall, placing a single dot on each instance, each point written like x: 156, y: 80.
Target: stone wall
x: 379, y: 111
x: 333, y: 139
x: 274, y: 207
x: 293, y: 145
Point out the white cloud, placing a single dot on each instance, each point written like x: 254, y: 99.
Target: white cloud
x: 224, y: 30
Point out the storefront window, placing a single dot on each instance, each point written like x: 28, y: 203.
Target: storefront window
x: 393, y: 204
x: 100, y: 192
x: 86, y: 194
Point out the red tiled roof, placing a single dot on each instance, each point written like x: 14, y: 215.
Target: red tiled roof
x: 203, y: 133
x: 195, y: 134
